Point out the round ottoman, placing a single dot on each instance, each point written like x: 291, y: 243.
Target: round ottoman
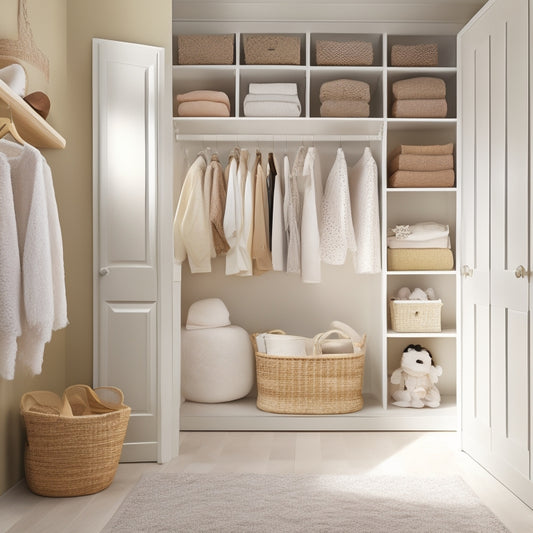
x: 217, y: 364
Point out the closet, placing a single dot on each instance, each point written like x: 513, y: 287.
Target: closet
x: 483, y: 312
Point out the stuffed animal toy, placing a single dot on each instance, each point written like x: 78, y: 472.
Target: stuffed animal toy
x: 414, y: 382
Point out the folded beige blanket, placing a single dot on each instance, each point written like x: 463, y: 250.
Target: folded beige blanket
x: 420, y: 109
x: 411, y: 178
x: 414, y: 55
x: 423, y: 149
x: 419, y: 259
x: 420, y: 162
x: 209, y: 96
x: 203, y: 108
x: 419, y: 88
x: 345, y: 90
x: 344, y: 108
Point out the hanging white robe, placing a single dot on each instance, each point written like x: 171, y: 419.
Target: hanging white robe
x: 364, y: 196
x: 248, y: 216
x: 337, y: 236
x: 191, y: 230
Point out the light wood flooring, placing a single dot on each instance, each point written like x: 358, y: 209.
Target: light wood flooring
x: 394, y: 453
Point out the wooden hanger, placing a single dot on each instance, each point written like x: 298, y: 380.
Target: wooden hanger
x: 8, y: 126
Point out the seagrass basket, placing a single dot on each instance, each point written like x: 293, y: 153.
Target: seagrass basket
x: 73, y: 443
x: 344, y: 53
x: 206, y: 49
x: 316, y: 384
x: 414, y: 316
x: 271, y: 49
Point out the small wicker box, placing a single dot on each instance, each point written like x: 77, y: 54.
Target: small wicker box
x: 416, y: 316
x: 310, y: 384
x: 415, y: 55
x: 344, y: 53
x: 271, y: 49
x: 200, y: 49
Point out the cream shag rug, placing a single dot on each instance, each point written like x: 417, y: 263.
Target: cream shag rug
x: 278, y: 503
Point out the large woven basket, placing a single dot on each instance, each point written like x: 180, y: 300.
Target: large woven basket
x: 416, y: 316
x: 74, y: 443
x: 344, y: 53
x: 198, y: 49
x: 315, y: 384
x: 271, y: 49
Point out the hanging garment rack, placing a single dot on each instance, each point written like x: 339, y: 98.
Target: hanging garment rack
x: 30, y: 125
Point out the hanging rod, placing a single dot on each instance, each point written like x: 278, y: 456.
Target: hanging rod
x: 276, y: 138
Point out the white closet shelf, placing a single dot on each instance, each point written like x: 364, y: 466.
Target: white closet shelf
x: 444, y: 333
x: 421, y: 272
x: 30, y: 125
x: 415, y: 124
x: 421, y: 189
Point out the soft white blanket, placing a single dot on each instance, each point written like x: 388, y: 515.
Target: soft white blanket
x: 272, y: 105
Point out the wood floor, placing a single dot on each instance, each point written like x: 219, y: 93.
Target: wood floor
x: 401, y: 453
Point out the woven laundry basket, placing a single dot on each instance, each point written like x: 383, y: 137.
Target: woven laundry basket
x: 416, y: 316
x: 271, y: 49
x: 73, y: 444
x: 200, y: 49
x: 311, y: 384
x: 344, y: 53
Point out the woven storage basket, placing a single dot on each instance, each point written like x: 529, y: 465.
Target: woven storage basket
x: 344, y: 53
x: 416, y: 55
x: 314, y: 384
x: 271, y: 49
x: 73, y: 444
x: 205, y: 49
x: 413, y: 316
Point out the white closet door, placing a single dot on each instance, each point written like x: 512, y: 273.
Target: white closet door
x: 127, y: 80
x: 495, y: 174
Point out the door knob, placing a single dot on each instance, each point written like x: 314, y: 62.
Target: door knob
x: 466, y: 271
x: 520, y: 272
x: 104, y: 271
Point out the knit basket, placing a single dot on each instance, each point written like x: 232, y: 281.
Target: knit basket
x: 313, y: 384
x: 416, y: 55
x: 271, y: 49
x: 74, y: 443
x: 414, y: 316
x: 205, y: 49
x: 344, y: 53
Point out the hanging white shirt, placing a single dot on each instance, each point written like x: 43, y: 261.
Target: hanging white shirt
x: 364, y: 196
x: 337, y: 236
x: 248, y: 216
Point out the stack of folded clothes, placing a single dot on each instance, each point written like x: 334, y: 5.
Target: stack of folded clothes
x: 421, y: 246
x: 422, y: 166
x: 272, y: 100
x: 203, y: 104
x: 345, y: 98
x: 422, y: 97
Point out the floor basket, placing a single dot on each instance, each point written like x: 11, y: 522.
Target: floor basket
x: 313, y: 384
x: 73, y: 444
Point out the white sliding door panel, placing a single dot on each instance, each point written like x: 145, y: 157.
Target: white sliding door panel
x: 127, y: 101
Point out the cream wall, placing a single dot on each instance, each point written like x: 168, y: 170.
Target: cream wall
x: 64, y: 29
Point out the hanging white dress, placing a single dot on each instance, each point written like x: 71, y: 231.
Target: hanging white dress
x: 191, y: 231
x: 337, y: 236
x: 279, y: 237
x: 364, y: 196
x: 310, y: 235
x: 248, y: 215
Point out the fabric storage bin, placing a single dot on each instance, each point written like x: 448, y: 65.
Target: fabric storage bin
x: 73, y: 443
x: 344, y: 53
x: 416, y: 55
x: 419, y: 259
x: 311, y: 384
x: 271, y: 49
x: 412, y: 316
x: 203, y: 49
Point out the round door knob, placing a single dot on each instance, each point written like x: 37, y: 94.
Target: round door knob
x: 520, y: 272
x: 467, y: 271
x: 104, y: 271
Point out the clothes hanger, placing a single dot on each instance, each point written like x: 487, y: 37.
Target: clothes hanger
x: 8, y: 126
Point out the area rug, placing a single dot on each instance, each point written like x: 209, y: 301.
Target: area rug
x: 279, y: 503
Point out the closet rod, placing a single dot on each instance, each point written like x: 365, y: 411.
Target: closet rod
x: 276, y: 138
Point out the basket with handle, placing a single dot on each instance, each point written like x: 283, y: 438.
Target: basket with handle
x: 321, y: 383
x: 73, y: 443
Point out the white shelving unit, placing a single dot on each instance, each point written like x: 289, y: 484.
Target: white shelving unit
x: 360, y: 300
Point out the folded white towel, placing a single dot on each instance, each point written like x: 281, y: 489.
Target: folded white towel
x: 421, y: 231
x: 14, y: 76
x: 438, y: 242
x: 272, y: 105
x: 290, y: 89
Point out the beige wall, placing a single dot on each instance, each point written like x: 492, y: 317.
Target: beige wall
x: 63, y: 29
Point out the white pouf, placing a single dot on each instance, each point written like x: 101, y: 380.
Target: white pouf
x: 217, y: 364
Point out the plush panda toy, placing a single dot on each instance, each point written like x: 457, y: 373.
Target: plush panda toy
x: 413, y: 385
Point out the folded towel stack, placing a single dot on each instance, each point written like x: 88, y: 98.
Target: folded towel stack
x: 422, y: 97
x: 345, y: 98
x: 272, y: 100
x: 422, y: 166
x: 203, y: 104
